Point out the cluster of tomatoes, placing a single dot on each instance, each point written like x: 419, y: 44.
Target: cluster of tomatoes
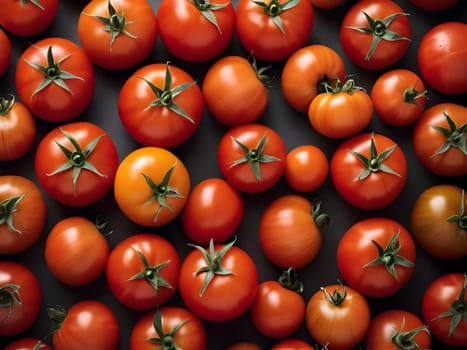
x: 179, y: 203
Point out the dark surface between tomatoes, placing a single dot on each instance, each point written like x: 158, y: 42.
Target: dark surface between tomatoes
x: 199, y: 155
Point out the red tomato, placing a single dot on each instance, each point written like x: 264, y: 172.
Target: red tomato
x: 198, y: 30
x: 244, y: 346
x: 292, y: 344
x: 55, y: 79
x: 251, y: 157
x: 142, y: 271
x: 376, y: 256
x: 375, y: 34
x: 21, y: 298
x: 117, y: 34
x: 27, y: 344
x: 439, y: 139
x: 160, y: 105
x: 218, y: 283
x: 369, y: 171
x: 434, y: 5
x: 443, y: 308
x: 327, y: 4
x: 76, y: 163
x: 23, y: 214
x: 273, y: 29
x: 5, y: 54
x: 441, y: 58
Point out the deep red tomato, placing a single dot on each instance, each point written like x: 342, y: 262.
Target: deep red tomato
x: 159, y: 182
x: 375, y: 34
x: 251, y: 157
x: 28, y: 17
x: 443, y: 308
x: 273, y: 29
x: 20, y: 296
x: 376, y: 256
x: 76, y: 163
x: 27, y: 344
x: 5, y: 54
x: 439, y: 139
x: 214, y: 210
x: 55, y: 79
x: 87, y: 324
x: 369, y: 170
x: 306, y: 71
x: 292, y: 344
x: 142, y: 271
x: 197, y: 30
x: 399, y: 97
x: 434, y: 5
x: 160, y: 105
x: 117, y: 34
x: 23, y: 213
x: 244, y: 345
x: 327, y: 4
x: 218, y: 283
x: 170, y: 327
x: 441, y: 57
x: 396, y: 329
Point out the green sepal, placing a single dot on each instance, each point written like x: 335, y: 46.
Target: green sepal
x: 455, y: 136
x: 207, y: 9
x: 8, y: 206
x: 274, y: 9
x: 36, y: 3
x: 461, y: 217
x: 165, y: 340
x: 9, y: 297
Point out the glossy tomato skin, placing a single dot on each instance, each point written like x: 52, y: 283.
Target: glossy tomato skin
x: 125, y: 264
x: 43, y: 101
x: 159, y: 125
x: 244, y: 346
x: 130, y: 47
x: 189, y: 35
x: 96, y: 169
x: 441, y: 57
x: 27, y: 344
x: 22, y: 224
x: 18, y: 283
x: 292, y: 344
x: 5, y: 54
x: 434, y: 5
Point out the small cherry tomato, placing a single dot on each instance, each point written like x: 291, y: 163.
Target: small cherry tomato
x: 27, y: 344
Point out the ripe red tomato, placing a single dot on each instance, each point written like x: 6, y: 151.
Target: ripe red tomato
x: 76, y: 163
x: 55, y: 79
x: 5, y: 54
x: 443, y: 308
x: 375, y: 34
x: 196, y: 31
x: 369, y: 170
x: 441, y: 57
x: 251, y: 157
x: 434, y: 5
x: 21, y: 298
x: 376, y: 256
x: 160, y: 105
x: 23, y: 213
x: 160, y: 185
x: 117, y: 34
x: 292, y: 344
x: 218, y: 283
x: 142, y: 271
x: 439, y: 139
x: 27, y: 344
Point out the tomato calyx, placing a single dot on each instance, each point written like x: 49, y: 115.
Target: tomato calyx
x: 261, y: 74
x: 405, y: 340
x: 102, y: 226
x: 166, y: 340
x: 206, y: 9
x: 9, y: 297
x: 455, y: 136
x: 337, y: 297
x: 34, y: 2
x: 411, y: 96
x: 288, y: 279
x: 7, y: 207
x: 461, y: 217
x: 320, y: 219
x: 274, y: 9
x: 348, y: 87
x: 6, y: 104
x: 56, y: 317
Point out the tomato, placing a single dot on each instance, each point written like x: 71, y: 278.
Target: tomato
x: 441, y: 57
x: 160, y: 105
x: 27, y: 344
x: 443, y: 308
x: 369, y: 170
x: 5, y: 54
x: 375, y: 34
x: 289, y: 231
x: 341, y: 111
x: 399, y: 97
x: 170, y: 327
x: 396, y: 329
x: 251, y: 157
x: 28, y: 17
x: 20, y: 296
x: 305, y: 72
x: 218, y: 283
x: 17, y: 129
x: 376, y: 256
x: 328, y: 4
x: 197, y: 30
x: 434, y: 5
x: 75, y: 163
x: 244, y: 345
x: 142, y: 271
x: 23, y: 213
x: 55, y: 79
x: 214, y: 209
x: 292, y: 344
x: 273, y: 29
x: 330, y: 317
x: 160, y: 185
x: 87, y: 324
x: 439, y: 139
x: 245, y: 82
x: 117, y: 34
